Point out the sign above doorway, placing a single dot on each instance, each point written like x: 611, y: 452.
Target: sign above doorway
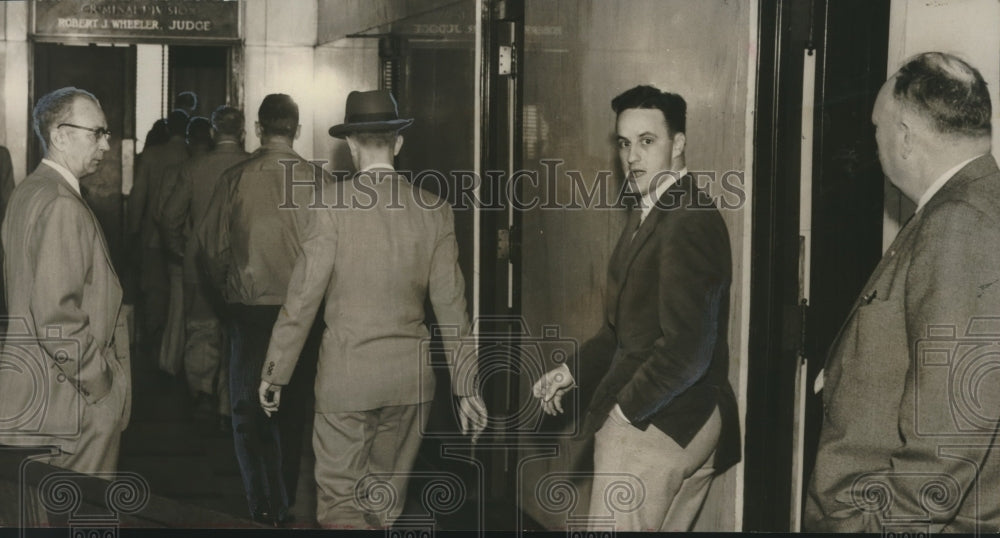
x: 160, y: 21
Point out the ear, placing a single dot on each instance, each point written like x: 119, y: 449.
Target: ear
x: 680, y: 140
x: 257, y: 130
x: 399, y: 144
x: 298, y: 131
x: 908, y: 137
x: 352, y: 145
x: 57, y: 139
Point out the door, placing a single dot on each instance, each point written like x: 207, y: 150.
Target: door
x: 109, y: 74
x: 807, y: 273
x: 203, y: 70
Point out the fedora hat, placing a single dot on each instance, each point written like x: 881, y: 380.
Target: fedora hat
x: 370, y: 111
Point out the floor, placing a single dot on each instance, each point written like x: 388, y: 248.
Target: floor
x: 190, y: 459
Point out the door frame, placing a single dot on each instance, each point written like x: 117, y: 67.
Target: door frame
x: 784, y: 330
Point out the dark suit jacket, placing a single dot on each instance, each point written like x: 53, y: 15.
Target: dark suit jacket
x: 148, y: 190
x: 662, y: 354
x: 64, y: 296
x: 910, y: 398
x: 187, y: 205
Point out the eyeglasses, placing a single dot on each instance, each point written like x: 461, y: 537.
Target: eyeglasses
x: 99, y: 132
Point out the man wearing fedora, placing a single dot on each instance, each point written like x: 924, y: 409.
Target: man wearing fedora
x: 375, y: 266
x: 251, y: 237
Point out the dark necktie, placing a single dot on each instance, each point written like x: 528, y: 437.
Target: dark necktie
x: 634, y: 220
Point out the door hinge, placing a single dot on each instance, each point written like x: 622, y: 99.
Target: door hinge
x: 794, y: 333
x: 503, y: 245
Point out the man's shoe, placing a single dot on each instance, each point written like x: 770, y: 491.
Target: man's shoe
x: 262, y: 516
x: 283, y: 518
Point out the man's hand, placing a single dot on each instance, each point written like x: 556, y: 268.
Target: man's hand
x: 472, y: 415
x: 270, y: 397
x: 551, y: 387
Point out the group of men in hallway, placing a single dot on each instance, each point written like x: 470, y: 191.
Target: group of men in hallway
x: 218, y: 222
x: 258, y: 256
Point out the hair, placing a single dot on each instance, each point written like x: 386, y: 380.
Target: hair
x: 947, y: 91
x: 186, y: 100
x: 228, y: 120
x: 199, y: 131
x: 672, y: 106
x: 378, y: 139
x: 278, y: 115
x: 177, y: 122
x: 54, y: 108
x: 158, y: 133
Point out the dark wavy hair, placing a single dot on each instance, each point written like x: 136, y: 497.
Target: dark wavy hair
x: 672, y: 106
x: 278, y: 115
x: 947, y: 91
x: 228, y: 120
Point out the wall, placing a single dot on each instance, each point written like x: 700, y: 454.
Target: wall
x: 341, y: 67
x: 338, y: 18
x: 14, y: 111
x: 964, y: 27
x: 280, y: 37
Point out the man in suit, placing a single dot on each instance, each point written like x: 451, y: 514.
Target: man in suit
x: 65, y: 299
x: 375, y: 266
x: 663, y: 409
x: 143, y: 232
x: 251, y: 238
x: 910, y: 413
x: 205, y: 363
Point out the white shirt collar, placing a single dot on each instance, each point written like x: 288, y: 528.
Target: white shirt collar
x: 940, y: 182
x: 650, y: 199
x: 66, y: 174
x: 376, y: 165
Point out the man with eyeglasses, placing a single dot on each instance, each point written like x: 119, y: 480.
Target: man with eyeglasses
x: 64, y: 371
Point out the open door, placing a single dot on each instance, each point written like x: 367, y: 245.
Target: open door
x: 817, y: 228
x: 109, y: 74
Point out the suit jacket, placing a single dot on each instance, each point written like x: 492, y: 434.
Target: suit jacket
x: 251, y: 233
x: 64, y: 299
x: 662, y: 354
x: 148, y: 190
x: 384, y: 248
x: 187, y: 205
x: 910, y: 400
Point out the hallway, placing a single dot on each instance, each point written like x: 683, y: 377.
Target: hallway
x: 189, y: 459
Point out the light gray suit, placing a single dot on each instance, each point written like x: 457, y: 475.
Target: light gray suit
x: 65, y: 375
x: 375, y: 265
x: 910, y: 402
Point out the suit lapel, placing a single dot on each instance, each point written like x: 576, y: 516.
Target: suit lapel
x: 980, y: 167
x: 54, y: 174
x: 627, y: 250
